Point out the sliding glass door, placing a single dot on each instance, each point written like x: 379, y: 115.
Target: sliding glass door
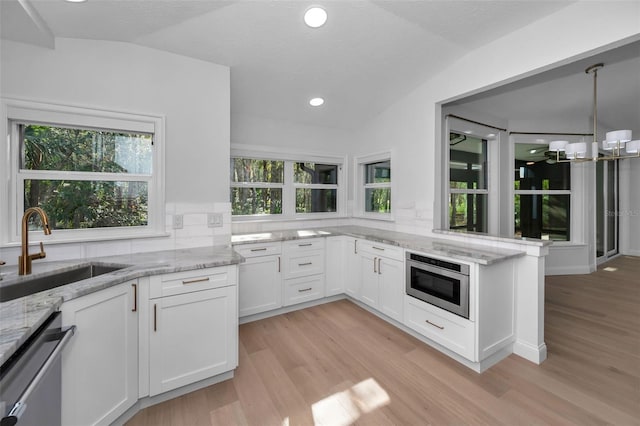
x: 606, y: 210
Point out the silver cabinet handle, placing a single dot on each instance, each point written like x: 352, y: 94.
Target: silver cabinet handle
x: 135, y: 297
x: 155, y: 317
x: 20, y: 406
x: 435, y: 325
x: 197, y: 280
x: 374, y: 265
x: 259, y: 249
x: 305, y: 289
x: 278, y: 263
x: 305, y: 245
x: 377, y: 248
x: 379, y: 270
x: 355, y: 246
x: 305, y: 264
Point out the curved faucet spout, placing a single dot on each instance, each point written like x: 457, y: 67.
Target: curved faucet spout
x: 24, y: 260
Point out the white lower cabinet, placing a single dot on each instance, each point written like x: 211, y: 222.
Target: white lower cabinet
x: 259, y: 278
x: 351, y: 269
x: 100, y: 364
x: 193, y: 335
x: 382, y: 278
x: 335, y: 278
x: 454, y: 333
x: 304, y: 270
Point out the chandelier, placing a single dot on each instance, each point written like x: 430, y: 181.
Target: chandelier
x: 617, y: 144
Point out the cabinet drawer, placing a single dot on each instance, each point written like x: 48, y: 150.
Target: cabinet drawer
x: 456, y: 334
x: 303, y: 263
x: 381, y: 250
x: 306, y: 244
x: 255, y: 250
x: 190, y: 281
x: 303, y: 289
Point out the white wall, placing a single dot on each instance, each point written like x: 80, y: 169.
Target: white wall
x: 193, y: 95
x: 412, y: 125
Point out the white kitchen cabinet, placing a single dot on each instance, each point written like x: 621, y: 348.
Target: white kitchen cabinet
x: 100, y: 364
x: 335, y: 276
x: 193, y: 335
x: 304, y: 270
x: 260, y: 278
x: 351, y: 268
x: 382, y: 278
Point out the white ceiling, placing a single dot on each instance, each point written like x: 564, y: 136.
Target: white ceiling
x: 367, y: 55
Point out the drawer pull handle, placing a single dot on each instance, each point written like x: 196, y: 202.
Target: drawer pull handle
x: 259, y: 249
x: 135, y: 297
x: 305, y: 264
x: 355, y: 247
x: 302, y: 290
x: 377, y: 248
x: 435, y: 325
x: 155, y: 317
x: 278, y: 263
x: 305, y: 245
x: 375, y: 259
x: 379, y: 270
x: 197, y: 280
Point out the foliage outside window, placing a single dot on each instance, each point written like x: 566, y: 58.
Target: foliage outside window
x: 377, y: 187
x: 256, y: 186
x: 262, y: 187
x: 468, y: 190
x: 542, y: 194
x: 83, y: 177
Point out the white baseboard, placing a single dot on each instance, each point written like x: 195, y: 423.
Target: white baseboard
x: 567, y: 270
x: 535, y: 354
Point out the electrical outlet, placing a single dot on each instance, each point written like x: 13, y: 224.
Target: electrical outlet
x: 214, y: 220
x: 178, y: 220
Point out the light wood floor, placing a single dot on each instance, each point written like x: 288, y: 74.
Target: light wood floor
x: 338, y: 364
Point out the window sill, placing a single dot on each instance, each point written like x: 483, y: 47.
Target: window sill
x: 47, y: 240
x: 273, y: 219
x: 385, y: 217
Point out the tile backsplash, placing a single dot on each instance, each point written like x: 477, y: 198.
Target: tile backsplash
x: 195, y: 232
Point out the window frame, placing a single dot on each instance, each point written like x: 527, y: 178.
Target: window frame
x: 360, y: 164
x: 17, y: 111
x: 575, y: 186
x: 289, y: 186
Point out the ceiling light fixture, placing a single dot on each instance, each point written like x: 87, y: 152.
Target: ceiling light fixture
x: 315, y: 17
x: 316, y: 102
x: 617, y: 142
x: 75, y: 1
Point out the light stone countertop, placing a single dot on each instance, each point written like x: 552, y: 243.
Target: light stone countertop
x: 19, y: 318
x: 481, y: 254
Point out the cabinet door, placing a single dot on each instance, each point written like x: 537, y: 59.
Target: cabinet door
x: 369, y: 279
x: 260, y: 285
x: 392, y: 287
x: 100, y: 364
x: 193, y: 336
x: 352, y: 268
x: 335, y: 266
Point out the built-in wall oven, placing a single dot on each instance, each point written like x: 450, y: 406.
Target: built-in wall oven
x: 438, y: 282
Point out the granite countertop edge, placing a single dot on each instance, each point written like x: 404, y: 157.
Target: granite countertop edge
x: 481, y: 254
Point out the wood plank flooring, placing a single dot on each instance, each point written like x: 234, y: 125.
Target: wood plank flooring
x: 337, y: 364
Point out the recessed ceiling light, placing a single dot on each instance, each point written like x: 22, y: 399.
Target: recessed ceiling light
x: 75, y: 1
x: 316, y: 102
x: 491, y: 135
x: 315, y: 17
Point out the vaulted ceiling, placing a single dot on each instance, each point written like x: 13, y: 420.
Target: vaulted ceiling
x: 367, y: 55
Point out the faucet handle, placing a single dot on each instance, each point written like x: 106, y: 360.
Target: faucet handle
x: 40, y: 255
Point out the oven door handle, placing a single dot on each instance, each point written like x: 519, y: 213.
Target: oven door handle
x: 20, y: 406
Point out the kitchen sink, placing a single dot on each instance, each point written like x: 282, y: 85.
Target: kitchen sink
x: 23, y: 287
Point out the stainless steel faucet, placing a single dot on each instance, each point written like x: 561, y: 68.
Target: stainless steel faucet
x: 24, y: 260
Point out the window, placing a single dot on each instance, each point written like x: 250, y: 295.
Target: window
x: 90, y: 171
x: 316, y: 187
x: 374, y: 186
x: 542, y: 193
x: 468, y: 190
x: 284, y: 186
x: 256, y: 186
x: 377, y: 187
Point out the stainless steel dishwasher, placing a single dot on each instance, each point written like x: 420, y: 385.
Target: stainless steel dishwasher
x: 30, y: 381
